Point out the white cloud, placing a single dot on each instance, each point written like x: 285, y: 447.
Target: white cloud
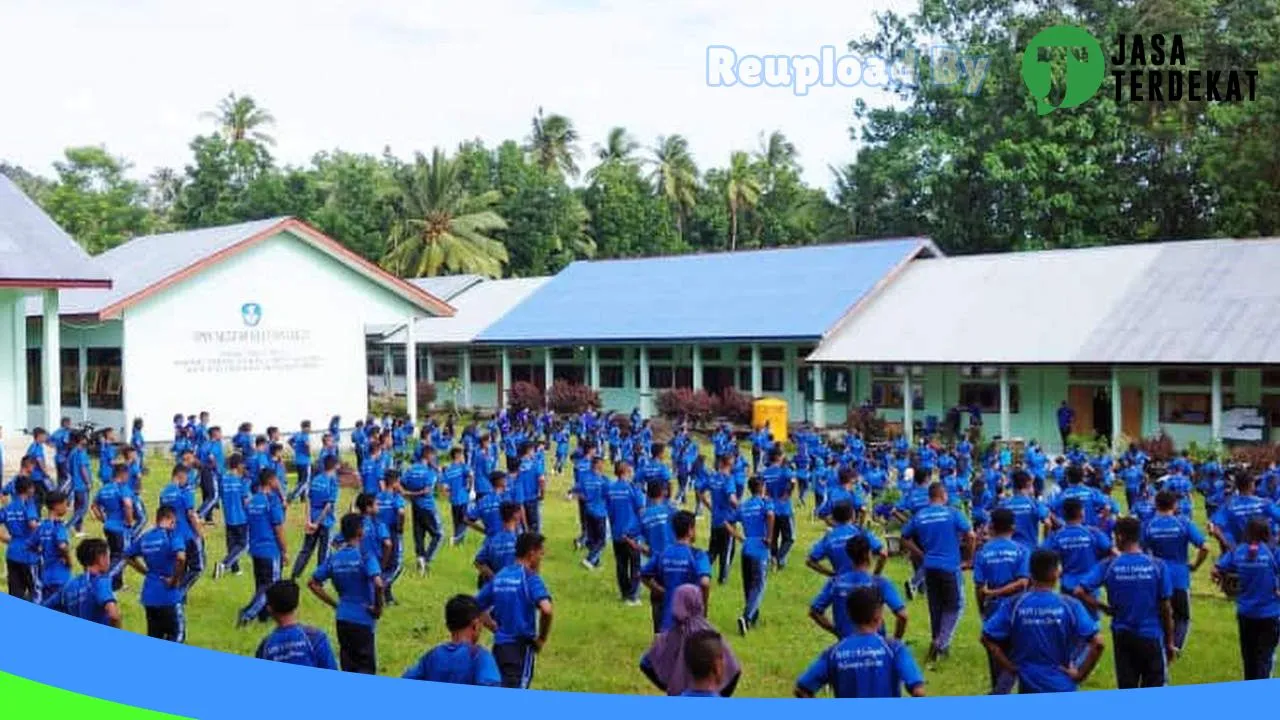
x: 409, y: 74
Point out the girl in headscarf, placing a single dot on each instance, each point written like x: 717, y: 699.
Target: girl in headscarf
x: 664, y: 662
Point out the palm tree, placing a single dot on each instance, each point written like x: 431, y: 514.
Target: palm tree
x: 742, y: 190
x: 776, y: 153
x: 240, y: 119
x: 554, y: 143
x: 439, y: 226
x: 618, y: 147
x: 675, y: 176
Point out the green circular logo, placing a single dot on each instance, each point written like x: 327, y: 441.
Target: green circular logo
x: 1083, y: 76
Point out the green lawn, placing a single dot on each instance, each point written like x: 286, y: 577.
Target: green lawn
x: 597, y: 641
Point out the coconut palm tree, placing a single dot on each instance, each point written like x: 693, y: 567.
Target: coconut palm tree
x: 674, y: 176
x: 776, y: 153
x: 240, y: 119
x: 742, y: 190
x: 554, y: 144
x: 439, y: 226
x: 618, y: 147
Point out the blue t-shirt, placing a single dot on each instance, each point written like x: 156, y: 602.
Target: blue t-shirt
x: 324, y: 492
x: 301, y: 444
x: 832, y: 546
x: 87, y: 596
x: 624, y: 505
x: 1000, y: 562
x: 456, y: 663
x: 723, y: 490
x: 1257, y: 567
x: 778, y: 482
x: 498, y: 550
x: 863, y: 665
x: 1136, y: 584
x: 455, y: 479
x: 753, y: 514
x: 595, y: 492
x: 159, y: 549
x: 512, y: 599
x: 421, y: 477
x: 1080, y: 548
x: 390, y: 505
x: 1168, y: 537
x: 53, y: 537
x: 233, y: 493
x: 182, y: 500
x: 110, y: 500
x: 1028, y: 514
x: 678, y: 565
x: 488, y: 510
x: 1044, y: 628
x: 937, y: 529
x: 1239, y: 510
x: 836, y: 591
x: 298, y: 645
x: 352, y: 573
x: 78, y: 466
x: 264, y: 515
x: 21, y: 519
x: 655, y: 523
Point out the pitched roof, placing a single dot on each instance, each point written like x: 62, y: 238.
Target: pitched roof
x: 477, y: 308
x: 778, y: 294
x: 35, y: 252
x: 447, y: 287
x: 1196, y: 302
x: 146, y: 265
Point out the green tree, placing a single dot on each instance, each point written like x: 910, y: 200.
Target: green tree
x: 618, y: 147
x: 675, y: 176
x: 547, y: 223
x: 554, y: 144
x: 94, y: 201
x: 240, y: 119
x: 627, y: 219
x: 439, y: 226
x: 741, y: 191
x: 356, y: 200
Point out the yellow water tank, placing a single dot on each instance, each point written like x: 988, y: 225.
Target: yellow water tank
x: 771, y: 412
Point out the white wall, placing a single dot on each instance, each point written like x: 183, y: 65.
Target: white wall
x: 13, y: 383
x: 189, y: 349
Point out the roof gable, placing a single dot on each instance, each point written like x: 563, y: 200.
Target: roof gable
x: 35, y: 252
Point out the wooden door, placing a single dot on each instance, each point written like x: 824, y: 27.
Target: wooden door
x: 1080, y: 398
x: 1131, y: 412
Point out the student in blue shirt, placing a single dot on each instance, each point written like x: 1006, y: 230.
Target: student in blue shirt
x: 655, y: 521
x: 300, y: 443
x: 54, y: 543
x: 40, y: 474
x: 704, y: 658
x: 1001, y: 570
x: 267, y: 546
x: 81, y: 481
x: 594, y: 491
x: 377, y: 539
x: 835, y: 593
x: 456, y: 479
x: 831, y: 547
x: 720, y: 496
x: 322, y: 500
x: 1029, y: 514
x: 499, y: 548
x: 519, y: 609
x: 680, y: 564
x: 756, y: 516
x: 1232, y: 518
x: 113, y: 507
x: 179, y: 496
x: 89, y: 596
x: 1257, y: 566
x: 234, y: 493
x: 160, y: 556
x: 61, y: 439
x: 1168, y: 536
x: 780, y: 482
x: 532, y: 484
x: 1079, y: 547
x: 461, y: 661
x: 292, y: 642
x: 357, y: 578
x: 936, y: 535
x: 21, y: 520
x: 1138, y: 601
x: 865, y: 664
x: 137, y: 440
x: 420, y: 482
x: 1036, y: 634
x: 390, y: 514
x: 624, y: 502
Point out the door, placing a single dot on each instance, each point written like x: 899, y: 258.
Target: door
x: 1080, y: 398
x: 1131, y: 412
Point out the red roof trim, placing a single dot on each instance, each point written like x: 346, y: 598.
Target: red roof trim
x: 51, y: 284
x: 324, y: 242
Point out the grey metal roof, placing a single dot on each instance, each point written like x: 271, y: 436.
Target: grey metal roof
x: 477, y: 308
x: 447, y: 287
x: 33, y: 249
x: 1196, y: 302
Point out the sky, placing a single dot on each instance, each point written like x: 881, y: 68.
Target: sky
x: 135, y: 75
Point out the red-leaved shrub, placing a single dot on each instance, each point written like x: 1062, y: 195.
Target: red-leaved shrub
x: 524, y: 396
x: 571, y: 398
x: 698, y: 406
x: 734, y: 406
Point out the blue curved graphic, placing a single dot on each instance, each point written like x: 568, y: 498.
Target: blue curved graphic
x: 192, y: 682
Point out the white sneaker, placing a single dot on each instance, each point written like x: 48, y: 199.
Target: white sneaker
x: 587, y: 564
x: 218, y: 571
x: 422, y: 566
x: 634, y: 603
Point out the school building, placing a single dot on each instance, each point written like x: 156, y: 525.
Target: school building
x: 1182, y: 336
x: 262, y: 322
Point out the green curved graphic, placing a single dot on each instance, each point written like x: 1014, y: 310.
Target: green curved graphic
x: 38, y: 700
x: 1083, y: 76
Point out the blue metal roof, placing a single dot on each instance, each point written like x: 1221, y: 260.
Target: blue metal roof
x: 785, y: 293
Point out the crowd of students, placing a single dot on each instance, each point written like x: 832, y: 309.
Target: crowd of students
x: 1042, y: 537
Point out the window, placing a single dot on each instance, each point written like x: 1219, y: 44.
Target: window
x: 397, y: 361
x: 1271, y: 378
x: 1271, y: 406
x: 445, y: 371
x: 835, y: 383
x: 520, y: 353
x: 613, y: 353
x: 521, y: 373
x: 985, y: 372
x: 744, y: 353
x: 1194, y: 376
x: 611, y: 376
x: 771, y: 354
x: 573, y: 374
x: 484, y: 373
x: 373, y: 361
x: 1089, y: 372
x: 896, y: 371
x: 104, y: 379
x: 70, y: 377
x: 684, y: 376
x: 987, y: 396
x: 744, y: 379
x: 1190, y: 408
x: 710, y: 353
x: 34, y: 386
x: 562, y: 353
x: 660, y: 353
x: 661, y: 377
x: 888, y: 394
x: 771, y: 379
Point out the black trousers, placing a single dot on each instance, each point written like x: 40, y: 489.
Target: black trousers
x: 515, y: 663
x: 115, y: 548
x: 943, y: 593
x: 316, y: 543
x: 459, y: 514
x: 357, y: 651
x: 22, y: 580
x: 783, y: 538
x: 1258, y: 638
x: 627, y: 564
x: 425, y: 522
x: 721, y: 550
x: 167, y: 623
x: 1139, y: 661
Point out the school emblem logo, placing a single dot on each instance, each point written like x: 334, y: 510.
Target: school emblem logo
x: 251, y: 313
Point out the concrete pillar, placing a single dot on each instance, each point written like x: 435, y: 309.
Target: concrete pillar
x: 19, y: 412
x: 430, y: 366
x: 645, y: 394
x: 757, y: 372
x: 908, y: 428
x: 1117, y: 411
x: 50, y: 362
x: 697, y: 367
x: 1215, y: 406
x: 411, y: 372
x: 1006, y: 425
x: 506, y: 379
x: 466, y: 377
x: 388, y: 366
x: 82, y: 377
x: 819, y: 398
x: 548, y: 369
x: 593, y: 370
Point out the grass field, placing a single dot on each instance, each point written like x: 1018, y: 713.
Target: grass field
x: 596, y: 641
